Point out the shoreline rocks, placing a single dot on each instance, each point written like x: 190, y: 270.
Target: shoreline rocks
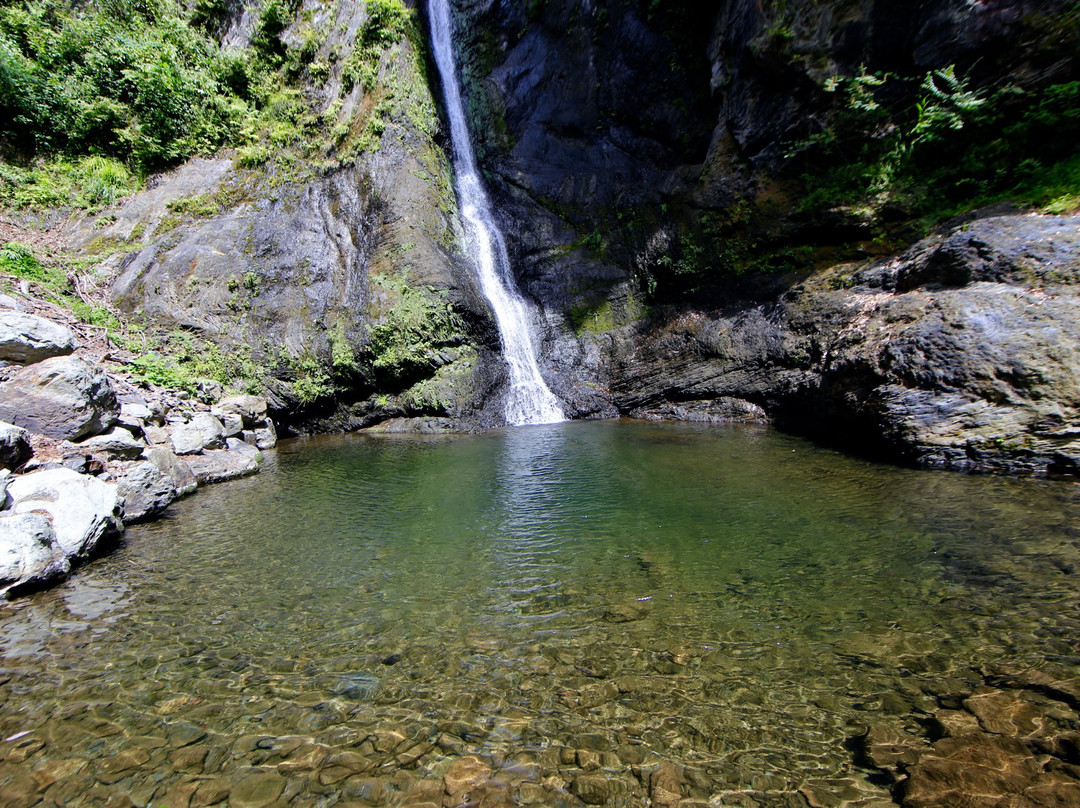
x: 91, y: 453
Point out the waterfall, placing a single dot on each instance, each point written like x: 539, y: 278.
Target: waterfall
x: 528, y: 400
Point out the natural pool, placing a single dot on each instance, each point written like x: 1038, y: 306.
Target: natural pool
x: 606, y: 612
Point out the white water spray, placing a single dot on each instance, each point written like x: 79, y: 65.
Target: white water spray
x: 528, y: 401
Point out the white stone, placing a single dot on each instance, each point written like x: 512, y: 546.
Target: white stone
x: 82, y: 508
x: 29, y: 553
x: 116, y: 443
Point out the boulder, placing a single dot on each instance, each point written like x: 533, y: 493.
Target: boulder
x: 28, y: 338
x: 177, y: 470
x: 264, y: 435
x: 118, y: 442
x: 156, y: 434
x: 217, y: 465
x: 963, y: 352
x: 252, y: 409
x: 134, y: 417
x: 63, y: 398
x: 213, y: 433
x: 233, y: 424
x: 29, y: 553
x: 14, y: 446
x: 187, y: 438
x: 146, y: 489
x: 82, y: 509
x: 237, y: 445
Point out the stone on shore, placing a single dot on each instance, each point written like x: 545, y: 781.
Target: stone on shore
x: 63, y: 398
x: 177, y: 470
x: 202, y: 431
x: 217, y: 465
x: 14, y: 446
x: 27, y: 338
x: 82, y: 509
x: 118, y: 442
x: 251, y: 409
x: 146, y: 489
x: 29, y: 554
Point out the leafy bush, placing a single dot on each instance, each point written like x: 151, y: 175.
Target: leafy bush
x: 127, y: 79
x: 955, y: 146
x: 387, y: 23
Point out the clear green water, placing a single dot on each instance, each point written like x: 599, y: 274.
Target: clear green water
x: 732, y: 600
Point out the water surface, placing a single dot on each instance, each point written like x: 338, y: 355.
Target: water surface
x: 573, y: 604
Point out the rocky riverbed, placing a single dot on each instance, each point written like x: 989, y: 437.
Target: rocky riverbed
x: 85, y: 450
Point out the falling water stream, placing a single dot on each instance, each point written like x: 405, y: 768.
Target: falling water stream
x: 528, y: 401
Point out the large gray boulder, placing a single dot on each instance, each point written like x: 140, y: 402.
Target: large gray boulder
x: 146, y: 489
x: 212, y: 430
x: 82, y: 509
x: 178, y: 471
x: 63, y: 398
x: 15, y: 446
x: 28, y: 338
x: 29, y: 553
x: 218, y: 465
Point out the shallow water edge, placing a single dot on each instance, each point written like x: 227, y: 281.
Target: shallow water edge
x: 587, y: 613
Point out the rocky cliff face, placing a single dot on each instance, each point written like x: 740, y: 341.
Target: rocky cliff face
x: 631, y: 148
x: 961, y: 353
x: 333, y: 268
x: 641, y: 160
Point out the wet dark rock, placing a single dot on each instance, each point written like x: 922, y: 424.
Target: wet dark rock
x: 63, y: 397
x: 665, y: 787
x: 120, y: 765
x: 14, y: 446
x: 890, y: 750
x: 595, y: 789
x: 257, y: 790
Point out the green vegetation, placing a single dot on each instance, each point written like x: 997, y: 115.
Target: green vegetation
x: 897, y: 157
x: 387, y: 23
x: 182, y: 361
x: 95, y: 96
x: 127, y: 79
x: 592, y: 319
x: 954, y: 148
x: 418, y: 322
x: 310, y: 380
x: 54, y: 284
